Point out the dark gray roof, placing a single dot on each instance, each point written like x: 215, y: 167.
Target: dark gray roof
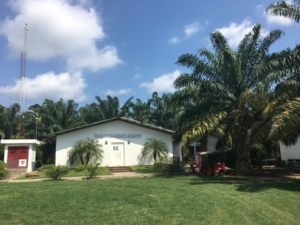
x: 135, y: 122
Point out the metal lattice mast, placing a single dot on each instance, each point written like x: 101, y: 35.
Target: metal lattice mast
x: 22, y: 80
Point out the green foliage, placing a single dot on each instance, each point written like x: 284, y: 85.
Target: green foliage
x: 4, y: 173
x: 80, y: 168
x: 38, y: 163
x: 93, y: 169
x: 48, y: 166
x: 56, y: 172
x: 258, y: 153
x: 229, y: 157
x: 85, y: 151
x: 2, y: 148
x: 154, y: 149
x: 283, y: 8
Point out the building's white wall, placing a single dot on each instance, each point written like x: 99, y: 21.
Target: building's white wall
x: 292, y: 152
x: 64, y: 142
x: 33, y: 157
x: 5, y: 153
x: 212, y: 142
x: 211, y: 145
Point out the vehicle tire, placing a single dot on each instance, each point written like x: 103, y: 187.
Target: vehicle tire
x: 221, y: 173
x: 212, y: 174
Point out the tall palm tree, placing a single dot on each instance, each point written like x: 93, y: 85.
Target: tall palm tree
x: 105, y: 109
x: 154, y: 149
x: 9, y: 120
x: 85, y: 151
x: 163, y: 114
x: 286, y: 10
x: 280, y: 115
x: 141, y: 111
x: 53, y: 116
x: 216, y: 88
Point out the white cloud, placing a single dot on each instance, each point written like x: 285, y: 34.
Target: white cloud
x: 50, y: 85
x: 192, y: 28
x: 259, y: 6
x: 118, y: 92
x: 174, y: 40
x: 235, y: 33
x: 163, y: 83
x: 136, y: 76
x: 279, y: 20
x: 59, y: 29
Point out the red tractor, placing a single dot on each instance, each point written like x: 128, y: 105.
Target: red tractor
x: 207, y: 163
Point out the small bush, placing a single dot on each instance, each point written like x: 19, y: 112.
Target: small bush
x: 158, y: 165
x: 229, y: 157
x: 4, y: 173
x: 47, y: 166
x: 38, y: 163
x: 93, y: 169
x: 56, y: 172
x: 80, y: 168
x: 258, y: 153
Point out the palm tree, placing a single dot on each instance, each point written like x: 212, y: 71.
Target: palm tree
x: 163, y: 115
x: 9, y: 120
x: 282, y: 8
x: 154, y: 148
x: 279, y: 110
x: 85, y: 151
x: 105, y: 109
x: 54, y: 116
x: 141, y: 111
x: 215, y: 90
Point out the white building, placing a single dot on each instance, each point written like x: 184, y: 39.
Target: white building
x: 291, y: 152
x: 122, y: 140
x: 20, y: 153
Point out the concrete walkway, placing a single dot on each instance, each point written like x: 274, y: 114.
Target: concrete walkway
x: 102, y: 177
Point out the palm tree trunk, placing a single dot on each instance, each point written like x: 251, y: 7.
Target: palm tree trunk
x: 243, y: 165
x: 154, y: 156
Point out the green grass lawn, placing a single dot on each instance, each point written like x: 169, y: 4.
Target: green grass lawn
x: 144, y: 169
x: 72, y: 173
x: 158, y: 200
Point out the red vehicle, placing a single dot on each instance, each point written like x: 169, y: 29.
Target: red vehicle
x: 207, y: 162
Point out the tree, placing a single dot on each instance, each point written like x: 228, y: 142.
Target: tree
x: 282, y: 8
x: 279, y: 110
x: 218, y: 88
x: 154, y: 148
x: 85, y: 151
x: 105, y: 109
x: 9, y: 122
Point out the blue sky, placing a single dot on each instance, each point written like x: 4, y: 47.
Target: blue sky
x: 81, y: 49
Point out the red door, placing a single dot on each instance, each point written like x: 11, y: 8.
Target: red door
x: 17, y: 157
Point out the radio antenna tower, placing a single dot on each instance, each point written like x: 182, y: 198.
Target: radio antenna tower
x: 22, y: 81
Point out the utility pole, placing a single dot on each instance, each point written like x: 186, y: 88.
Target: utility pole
x: 22, y: 80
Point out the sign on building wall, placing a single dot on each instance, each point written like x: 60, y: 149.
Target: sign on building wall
x: 120, y: 136
x: 22, y: 162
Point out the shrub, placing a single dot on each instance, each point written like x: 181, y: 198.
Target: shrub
x: 4, y: 173
x: 80, y: 168
x: 47, y: 166
x: 56, y: 172
x: 38, y: 163
x: 168, y: 165
x: 258, y: 153
x: 229, y: 157
x: 93, y: 169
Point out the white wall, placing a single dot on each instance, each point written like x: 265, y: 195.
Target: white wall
x: 212, y: 142
x: 64, y: 142
x: 292, y: 152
